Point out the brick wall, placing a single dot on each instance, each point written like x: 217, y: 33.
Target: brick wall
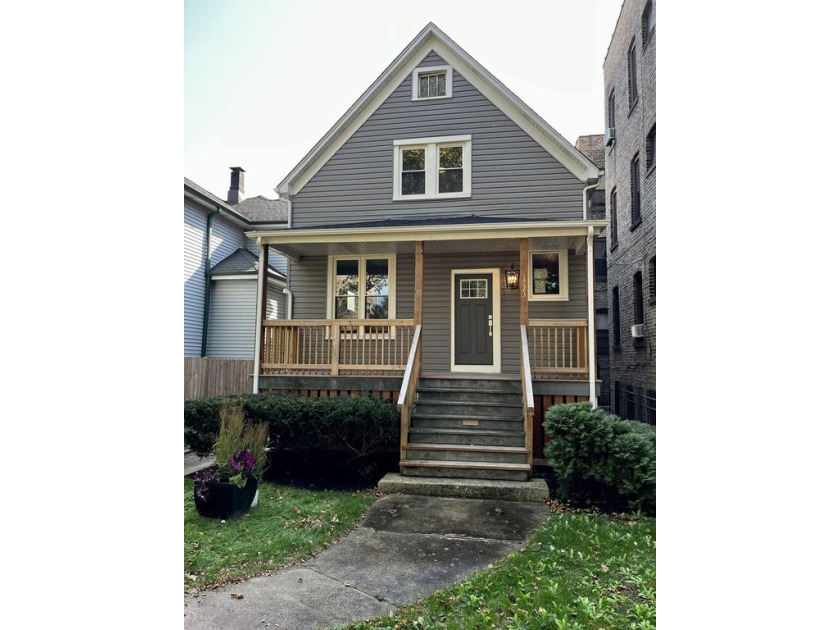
x: 635, y: 363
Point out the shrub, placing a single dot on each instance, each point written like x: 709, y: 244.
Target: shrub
x: 353, y: 428
x: 593, y: 451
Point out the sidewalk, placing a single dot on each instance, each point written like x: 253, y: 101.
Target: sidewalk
x: 194, y: 463
x: 407, y: 547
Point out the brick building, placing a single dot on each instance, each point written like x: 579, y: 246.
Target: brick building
x: 630, y: 187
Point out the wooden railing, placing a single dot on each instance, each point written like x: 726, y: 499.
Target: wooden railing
x: 336, y: 347
x: 408, y: 390
x: 559, y: 348
x: 527, y: 394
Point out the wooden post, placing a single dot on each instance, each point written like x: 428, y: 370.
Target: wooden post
x: 524, y: 279
x: 335, y: 331
x: 418, y: 282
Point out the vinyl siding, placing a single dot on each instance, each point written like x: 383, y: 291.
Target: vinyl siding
x: 232, y: 318
x: 194, y: 227
x: 511, y: 174
x: 278, y: 261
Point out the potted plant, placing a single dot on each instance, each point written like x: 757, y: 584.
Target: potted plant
x: 230, y: 487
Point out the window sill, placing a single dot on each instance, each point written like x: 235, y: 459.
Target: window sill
x: 548, y: 298
x: 613, y: 247
x: 636, y: 224
x: 633, y: 107
x: 464, y: 195
x: 430, y: 98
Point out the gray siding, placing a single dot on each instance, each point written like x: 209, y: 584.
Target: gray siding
x: 225, y: 240
x: 232, y: 318
x: 308, y: 280
x: 276, y: 302
x: 276, y: 260
x: 194, y: 227
x: 511, y: 174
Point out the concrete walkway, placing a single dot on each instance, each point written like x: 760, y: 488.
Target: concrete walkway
x: 407, y: 547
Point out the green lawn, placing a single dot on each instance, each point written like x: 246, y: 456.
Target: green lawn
x: 580, y: 571
x: 287, y: 525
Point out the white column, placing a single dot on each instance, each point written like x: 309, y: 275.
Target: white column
x: 590, y: 312
x: 258, y: 327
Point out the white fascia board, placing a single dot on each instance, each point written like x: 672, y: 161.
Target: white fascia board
x: 531, y: 229
x: 431, y: 38
x: 198, y: 198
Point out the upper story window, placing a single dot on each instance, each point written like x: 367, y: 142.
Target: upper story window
x: 616, y: 323
x: 431, y: 82
x: 613, y: 219
x: 609, y: 137
x: 650, y: 148
x: 647, y: 23
x: 635, y: 193
x: 360, y: 287
x: 433, y: 168
x: 549, y: 275
x: 638, y: 299
x: 652, y: 280
x: 632, y: 85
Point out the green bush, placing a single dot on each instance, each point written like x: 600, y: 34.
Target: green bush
x: 594, y: 451
x: 353, y: 428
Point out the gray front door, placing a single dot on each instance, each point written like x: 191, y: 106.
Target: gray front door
x: 474, y: 319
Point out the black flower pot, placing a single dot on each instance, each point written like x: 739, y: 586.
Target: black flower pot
x: 220, y: 499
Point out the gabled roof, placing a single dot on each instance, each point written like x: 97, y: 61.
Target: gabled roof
x: 429, y: 39
x: 240, y: 263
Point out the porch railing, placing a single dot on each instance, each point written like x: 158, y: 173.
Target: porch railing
x: 336, y: 347
x: 408, y: 390
x: 559, y: 348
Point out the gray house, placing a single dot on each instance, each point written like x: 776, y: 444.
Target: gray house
x: 441, y: 257
x: 220, y: 270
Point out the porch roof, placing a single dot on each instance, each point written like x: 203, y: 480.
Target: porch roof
x: 442, y: 234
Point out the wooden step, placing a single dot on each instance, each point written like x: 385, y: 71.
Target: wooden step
x: 474, y: 448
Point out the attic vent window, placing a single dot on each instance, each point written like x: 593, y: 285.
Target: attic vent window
x: 431, y: 83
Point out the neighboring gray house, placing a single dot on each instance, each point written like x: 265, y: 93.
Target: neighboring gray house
x: 630, y: 164
x: 220, y: 281
x: 442, y: 257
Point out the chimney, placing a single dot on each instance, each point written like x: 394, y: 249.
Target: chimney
x: 237, y: 185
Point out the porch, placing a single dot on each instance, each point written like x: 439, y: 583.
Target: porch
x: 409, y: 331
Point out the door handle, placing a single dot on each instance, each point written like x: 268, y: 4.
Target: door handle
x: 490, y: 325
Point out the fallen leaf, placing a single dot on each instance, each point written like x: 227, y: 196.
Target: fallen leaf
x: 604, y: 568
x: 237, y: 595
x: 300, y: 580
x: 498, y: 510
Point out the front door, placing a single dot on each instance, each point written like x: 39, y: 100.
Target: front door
x: 473, y: 315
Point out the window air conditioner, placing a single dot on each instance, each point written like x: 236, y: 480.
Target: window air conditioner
x: 637, y: 331
x: 609, y: 137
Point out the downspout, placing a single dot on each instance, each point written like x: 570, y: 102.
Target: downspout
x: 590, y: 312
x: 206, y: 321
x: 258, y: 327
x: 289, y: 300
x: 585, y: 205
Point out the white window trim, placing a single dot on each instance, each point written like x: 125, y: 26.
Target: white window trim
x: 563, y: 260
x: 392, y: 283
x: 415, y: 84
x: 432, y: 145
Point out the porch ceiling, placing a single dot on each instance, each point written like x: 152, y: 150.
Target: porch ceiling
x: 449, y: 239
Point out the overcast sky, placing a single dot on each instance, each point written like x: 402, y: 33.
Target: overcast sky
x: 265, y: 80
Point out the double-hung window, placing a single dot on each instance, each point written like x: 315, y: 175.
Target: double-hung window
x: 632, y: 85
x: 549, y: 275
x: 433, y: 168
x: 360, y: 287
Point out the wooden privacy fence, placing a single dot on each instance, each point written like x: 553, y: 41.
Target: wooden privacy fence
x: 205, y: 377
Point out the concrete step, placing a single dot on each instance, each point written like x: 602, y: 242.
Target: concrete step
x: 467, y: 436
x: 472, y: 383
x: 468, y: 470
x: 456, y: 421
x: 469, y: 395
x: 533, y: 490
x: 467, y: 453
x: 465, y: 407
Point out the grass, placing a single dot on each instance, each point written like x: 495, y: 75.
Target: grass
x: 287, y: 525
x: 581, y: 571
